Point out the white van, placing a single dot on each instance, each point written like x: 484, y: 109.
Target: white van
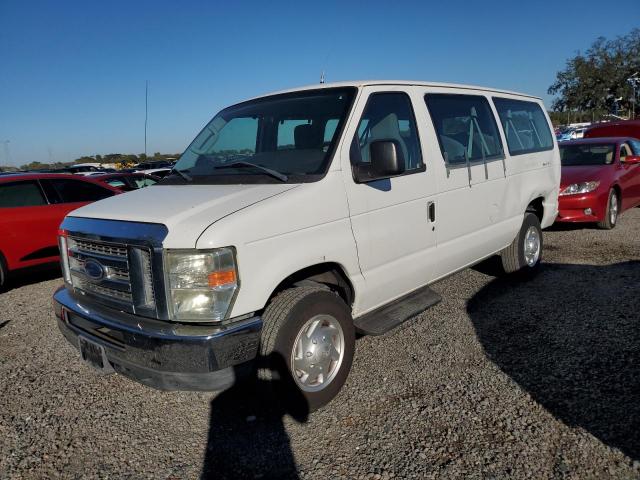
x: 297, y: 219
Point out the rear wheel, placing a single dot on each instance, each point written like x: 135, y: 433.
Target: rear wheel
x: 524, y: 254
x: 307, y: 344
x: 611, y: 214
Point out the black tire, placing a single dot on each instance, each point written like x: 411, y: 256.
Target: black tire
x: 284, y: 318
x: 513, y: 257
x: 607, y: 223
x: 4, y: 273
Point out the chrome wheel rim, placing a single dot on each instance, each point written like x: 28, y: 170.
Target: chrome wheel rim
x: 532, y: 246
x: 613, y: 209
x: 317, y: 354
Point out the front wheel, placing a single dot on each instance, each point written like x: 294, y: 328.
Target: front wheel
x: 611, y: 214
x: 524, y: 254
x: 307, y: 344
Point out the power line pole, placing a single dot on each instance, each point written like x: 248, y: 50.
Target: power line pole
x: 146, y: 114
x: 633, y: 80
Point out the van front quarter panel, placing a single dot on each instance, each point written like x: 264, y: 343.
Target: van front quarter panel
x: 277, y: 237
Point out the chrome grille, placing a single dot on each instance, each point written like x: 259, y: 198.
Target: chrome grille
x: 109, y: 276
x: 87, y: 286
x: 109, y: 249
x: 115, y: 263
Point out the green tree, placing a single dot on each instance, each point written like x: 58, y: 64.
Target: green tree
x: 596, y: 82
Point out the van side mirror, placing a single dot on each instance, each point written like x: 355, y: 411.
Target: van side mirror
x: 631, y: 160
x: 386, y: 161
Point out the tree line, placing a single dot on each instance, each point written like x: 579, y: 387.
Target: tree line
x: 599, y: 83
x: 120, y: 159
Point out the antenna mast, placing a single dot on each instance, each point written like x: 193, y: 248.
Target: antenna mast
x: 322, y: 77
x: 146, y: 113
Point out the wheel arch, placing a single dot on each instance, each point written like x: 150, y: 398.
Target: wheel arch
x: 536, y: 206
x: 330, y: 274
x: 618, y: 191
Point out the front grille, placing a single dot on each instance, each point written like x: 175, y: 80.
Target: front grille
x: 102, y: 270
x: 115, y: 263
x: 109, y: 249
x: 87, y: 286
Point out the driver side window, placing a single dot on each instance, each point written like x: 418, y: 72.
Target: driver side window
x: 624, y: 152
x: 388, y: 116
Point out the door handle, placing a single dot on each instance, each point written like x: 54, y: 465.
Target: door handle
x: 431, y: 207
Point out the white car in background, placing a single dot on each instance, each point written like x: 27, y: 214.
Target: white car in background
x: 294, y: 220
x: 577, y: 133
x: 157, y: 172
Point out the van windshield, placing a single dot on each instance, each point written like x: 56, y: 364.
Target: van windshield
x: 587, y: 154
x: 282, y: 138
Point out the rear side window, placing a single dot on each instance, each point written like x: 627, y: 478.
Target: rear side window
x: 635, y: 145
x: 70, y: 191
x: 525, y: 126
x: 141, y: 182
x: 21, y: 194
x: 388, y: 116
x: 116, y: 182
x: 466, y: 128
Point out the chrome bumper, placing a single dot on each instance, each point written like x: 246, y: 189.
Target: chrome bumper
x: 161, y: 354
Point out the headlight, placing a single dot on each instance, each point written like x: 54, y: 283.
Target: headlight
x: 584, y: 187
x: 201, y: 283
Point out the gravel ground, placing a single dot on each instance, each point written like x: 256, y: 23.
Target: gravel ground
x: 500, y: 380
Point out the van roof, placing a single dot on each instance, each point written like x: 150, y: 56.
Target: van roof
x: 363, y: 83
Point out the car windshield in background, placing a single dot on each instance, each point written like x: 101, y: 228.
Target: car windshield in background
x: 587, y: 154
x: 282, y: 138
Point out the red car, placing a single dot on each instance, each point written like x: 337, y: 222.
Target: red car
x: 622, y: 128
x: 600, y: 179
x: 32, y: 206
x: 127, y: 181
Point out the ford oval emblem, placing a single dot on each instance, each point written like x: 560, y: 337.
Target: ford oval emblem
x: 93, y: 269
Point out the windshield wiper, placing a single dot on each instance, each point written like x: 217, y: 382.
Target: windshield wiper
x: 275, y: 174
x: 182, y: 173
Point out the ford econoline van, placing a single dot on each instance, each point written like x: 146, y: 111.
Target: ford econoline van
x: 297, y: 219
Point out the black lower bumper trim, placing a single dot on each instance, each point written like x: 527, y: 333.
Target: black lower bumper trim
x: 162, y: 355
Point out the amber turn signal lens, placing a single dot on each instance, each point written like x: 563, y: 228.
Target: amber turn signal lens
x: 222, y: 277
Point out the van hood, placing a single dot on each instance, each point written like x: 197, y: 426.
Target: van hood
x: 186, y: 210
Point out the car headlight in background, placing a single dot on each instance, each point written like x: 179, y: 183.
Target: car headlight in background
x: 584, y: 187
x: 201, y: 283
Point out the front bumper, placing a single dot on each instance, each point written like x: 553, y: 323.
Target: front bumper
x: 161, y: 354
x: 572, y: 208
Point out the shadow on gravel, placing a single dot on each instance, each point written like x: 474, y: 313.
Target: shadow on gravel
x: 247, y: 438
x: 571, y: 338
x: 31, y: 275
x: 571, y: 227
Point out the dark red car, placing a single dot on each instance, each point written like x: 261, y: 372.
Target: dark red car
x: 32, y: 206
x: 127, y: 181
x: 622, y: 128
x: 600, y: 179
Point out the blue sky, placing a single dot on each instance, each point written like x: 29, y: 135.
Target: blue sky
x: 72, y: 74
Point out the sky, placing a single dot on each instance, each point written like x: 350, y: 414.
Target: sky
x: 72, y: 74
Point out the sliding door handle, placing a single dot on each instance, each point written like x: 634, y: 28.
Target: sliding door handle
x: 431, y: 206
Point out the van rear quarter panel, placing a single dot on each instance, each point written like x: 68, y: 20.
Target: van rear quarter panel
x: 281, y: 235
